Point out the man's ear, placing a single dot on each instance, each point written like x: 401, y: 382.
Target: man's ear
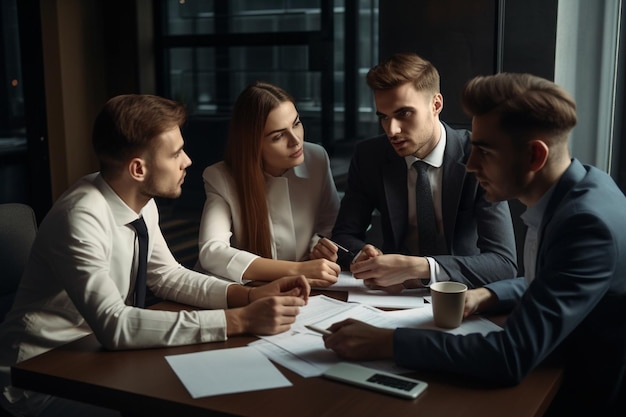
x: 437, y: 103
x: 137, y: 169
x: 539, y: 152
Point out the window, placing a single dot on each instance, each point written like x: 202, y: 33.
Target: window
x: 318, y: 50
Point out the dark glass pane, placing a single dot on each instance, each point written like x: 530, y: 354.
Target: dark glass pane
x: 192, y: 17
x: 13, y: 144
x: 11, y: 93
x: 194, y: 74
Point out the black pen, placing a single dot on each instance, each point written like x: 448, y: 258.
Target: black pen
x: 336, y: 244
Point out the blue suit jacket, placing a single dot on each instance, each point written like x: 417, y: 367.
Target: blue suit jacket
x: 478, y: 234
x: 574, y: 310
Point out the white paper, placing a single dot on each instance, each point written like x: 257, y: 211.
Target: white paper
x: 359, y: 293
x: 422, y: 318
x: 302, y: 350
x: 225, y: 371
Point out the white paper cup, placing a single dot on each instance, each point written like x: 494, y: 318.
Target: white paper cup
x: 448, y: 300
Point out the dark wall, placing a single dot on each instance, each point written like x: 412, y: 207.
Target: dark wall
x: 468, y: 38
x: 458, y: 37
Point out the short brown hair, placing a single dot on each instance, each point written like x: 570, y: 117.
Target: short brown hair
x: 527, y: 104
x: 403, y: 68
x: 126, y: 125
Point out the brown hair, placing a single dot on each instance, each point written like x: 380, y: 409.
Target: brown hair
x: 127, y: 124
x: 243, y: 157
x: 527, y: 104
x: 402, y: 68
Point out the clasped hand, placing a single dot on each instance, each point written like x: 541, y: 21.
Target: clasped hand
x: 272, y: 308
x: 390, y: 273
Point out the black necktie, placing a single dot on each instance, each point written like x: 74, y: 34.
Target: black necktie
x: 140, y: 282
x: 426, y: 220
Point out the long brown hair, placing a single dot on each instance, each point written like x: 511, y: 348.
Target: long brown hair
x: 243, y: 157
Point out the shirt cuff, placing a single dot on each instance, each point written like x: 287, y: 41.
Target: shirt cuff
x: 212, y: 325
x: 437, y: 273
x: 239, y: 264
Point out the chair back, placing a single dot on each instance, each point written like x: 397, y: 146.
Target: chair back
x: 18, y: 227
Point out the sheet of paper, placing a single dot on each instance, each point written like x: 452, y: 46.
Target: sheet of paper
x: 225, y: 371
x: 287, y: 359
x: 422, y: 318
x: 302, y: 350
x: 359, y: 293
x: 314, y: 360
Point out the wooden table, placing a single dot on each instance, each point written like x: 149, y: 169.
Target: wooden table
x: 141, y: 382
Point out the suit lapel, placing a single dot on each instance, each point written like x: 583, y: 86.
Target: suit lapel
x: 572, y: 176
x: 453, y: 179
x: 395, y: 189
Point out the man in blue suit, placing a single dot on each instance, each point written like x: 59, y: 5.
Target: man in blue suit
x: 473, y: 240
x: 571, y: 305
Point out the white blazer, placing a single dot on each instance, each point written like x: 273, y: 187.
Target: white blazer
x: 301, y: 203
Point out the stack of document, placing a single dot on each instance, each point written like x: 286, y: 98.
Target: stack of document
x: 301, y: 350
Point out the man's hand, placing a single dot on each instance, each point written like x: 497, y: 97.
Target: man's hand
x: 355, y: 340
x: 368, y: 251
x: 297, y: 286
x: 272, y: 307
x: 269, y: 315
x: 478, y: 300
x: 390, y: 272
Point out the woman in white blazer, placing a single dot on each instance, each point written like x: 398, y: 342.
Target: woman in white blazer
x: 269, y: 199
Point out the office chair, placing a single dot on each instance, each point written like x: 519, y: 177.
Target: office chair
x: 18, y: 227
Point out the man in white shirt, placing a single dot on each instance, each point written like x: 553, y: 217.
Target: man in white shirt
x: 80, y: 277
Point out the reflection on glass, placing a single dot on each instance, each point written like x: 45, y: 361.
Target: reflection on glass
x: 207, y: 72
x: 194, y: 17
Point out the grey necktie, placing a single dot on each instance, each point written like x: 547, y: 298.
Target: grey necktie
x: 140, y: 283
x: 426, y: 220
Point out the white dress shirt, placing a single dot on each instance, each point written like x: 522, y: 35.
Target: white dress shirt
x: 435, y: 175
x: 301, y: 203
x: 81, y: 272
x: 532, y: 218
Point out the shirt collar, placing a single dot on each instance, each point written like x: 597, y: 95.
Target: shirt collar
x: 121, y: 212
x: 435, y: 157
x: 532, y: 216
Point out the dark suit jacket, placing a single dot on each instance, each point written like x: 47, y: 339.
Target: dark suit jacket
x: 574, y: 310
x: 478, y: 234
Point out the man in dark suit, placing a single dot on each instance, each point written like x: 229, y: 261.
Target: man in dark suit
x: 571, y: 305
x: 472, y: 240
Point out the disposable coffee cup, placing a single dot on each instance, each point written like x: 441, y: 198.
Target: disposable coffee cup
x: 448, y: 300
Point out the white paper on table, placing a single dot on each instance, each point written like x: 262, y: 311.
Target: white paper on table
x: 302, y: 350
x: 225, y: 371
x: 422, y: 318
x: 287, y: 359
x: 359, y: 293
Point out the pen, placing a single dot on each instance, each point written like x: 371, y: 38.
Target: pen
x: 357, y: 256
x: 335, y: 243
x: 318, y: 329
